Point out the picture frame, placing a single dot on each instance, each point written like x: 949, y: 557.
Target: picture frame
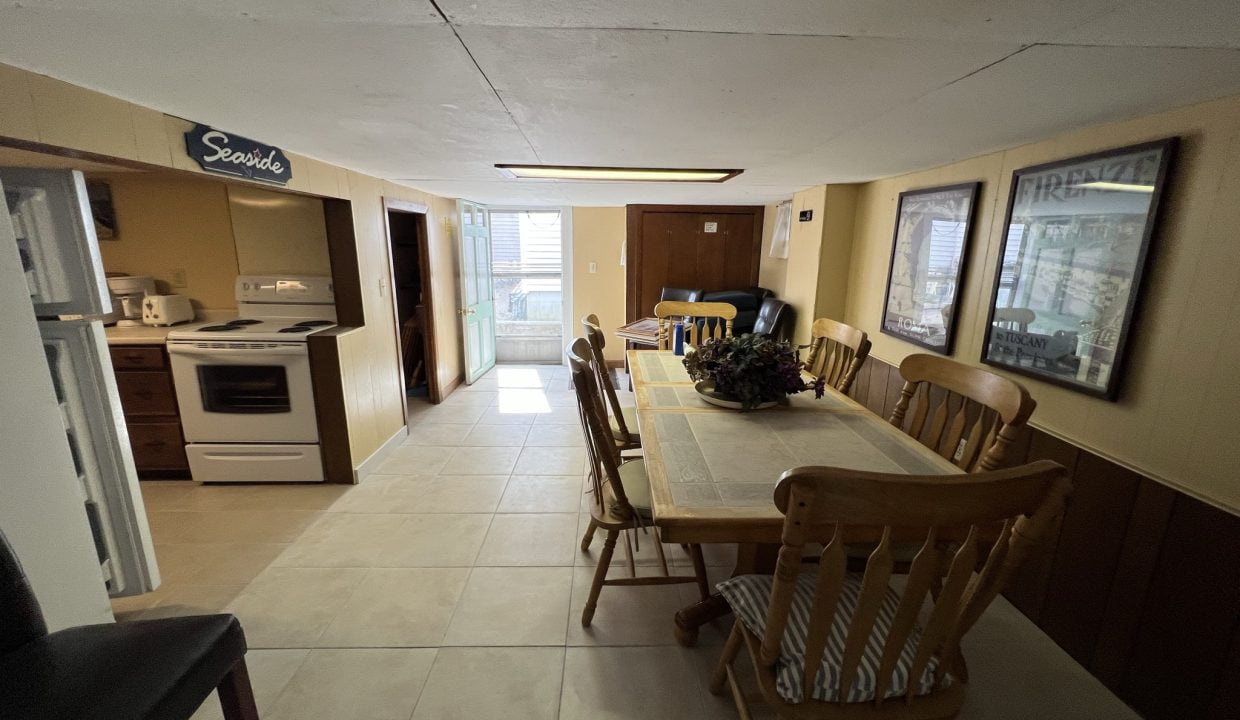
x: 1074, y: 250
x: 99, y: 194
x: 929, y: 254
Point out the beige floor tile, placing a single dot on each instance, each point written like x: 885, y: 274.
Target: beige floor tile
x: 165, y: 494
x: 235, y: 525
x: 270, y: 671
x: 181, y: 600
x: 413, y: 459
x: 545, y: 539
x: 438, y: 434
x: 497, y: 416
x: 398, y: 607
x: 481, y: 461
x: 435, y: 540
x: 451, y: 414
x: 367, y: 684
x: 512, y: 606
x: 180, y: 562
x: 290, y: 607
x: 550, y: 460
x: 558, y: 416
x: 562, y: 397
x: 493, y: 684
x: 478, y: 398
x: 459, y: 494
x: 496, y: 436
x: 228, y: 563
x: 651, y: 683
x: 541, y: 494
x: 518, y: 377
x: 307, y: 496
x: 556, y: 436
x: 342, y: 540
x: 637, y: 615
x: 523, y: 400
x: 486, y: 384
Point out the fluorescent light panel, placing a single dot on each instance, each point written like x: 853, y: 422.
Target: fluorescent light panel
x: 1123, y: 187
x: 614, y: 174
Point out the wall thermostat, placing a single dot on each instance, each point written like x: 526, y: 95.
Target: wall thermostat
x: 806, y: 215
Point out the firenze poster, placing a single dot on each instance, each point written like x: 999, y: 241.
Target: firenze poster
x: 927, y: 262
x: 1069, y: 273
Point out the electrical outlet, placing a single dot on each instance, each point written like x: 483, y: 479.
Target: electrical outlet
x: 178, y: 278
x: 593, y: 267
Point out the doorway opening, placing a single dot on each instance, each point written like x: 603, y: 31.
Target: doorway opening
x: 412, y: 300
x: 529, y: 254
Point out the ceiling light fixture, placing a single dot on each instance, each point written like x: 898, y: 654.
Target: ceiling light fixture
x: 616, y: 174
x: 1121, y: 187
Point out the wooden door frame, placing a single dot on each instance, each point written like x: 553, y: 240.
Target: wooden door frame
x: 391, y: 205
x: 633, y: 243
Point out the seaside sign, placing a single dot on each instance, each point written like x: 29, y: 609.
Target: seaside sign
x: 221, y: 152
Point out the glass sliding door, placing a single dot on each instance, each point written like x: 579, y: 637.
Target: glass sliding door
x: 527, y: 267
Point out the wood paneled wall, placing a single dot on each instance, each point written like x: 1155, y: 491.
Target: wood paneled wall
x: 1140, y: 583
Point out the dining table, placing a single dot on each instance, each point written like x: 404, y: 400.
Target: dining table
x: 713, y: 470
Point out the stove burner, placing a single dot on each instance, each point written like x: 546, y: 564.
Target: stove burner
x: 219, y: 328
x: 312, y: 323
x: 243, y: 321
x: 295, y: 329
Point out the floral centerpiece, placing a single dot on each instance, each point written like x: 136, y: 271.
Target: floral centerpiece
x: 750, y: 370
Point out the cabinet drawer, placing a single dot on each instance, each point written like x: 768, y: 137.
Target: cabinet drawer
x: 146, y: 393
x: 157, y: 445
x: 137, y: 357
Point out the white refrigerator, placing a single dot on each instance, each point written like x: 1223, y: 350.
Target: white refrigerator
x: 69, y: 497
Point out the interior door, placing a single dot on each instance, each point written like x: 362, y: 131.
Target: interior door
x: 55, y: 231
x: 690, y: 246
x: 477, y: 300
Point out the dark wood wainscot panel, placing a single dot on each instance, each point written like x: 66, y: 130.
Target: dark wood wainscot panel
x: 1140, y: 582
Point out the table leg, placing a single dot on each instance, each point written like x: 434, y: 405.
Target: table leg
x: 750, y: 559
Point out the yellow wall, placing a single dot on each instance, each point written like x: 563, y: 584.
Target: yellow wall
x: 598, y: 234
x: 278, y: 233
x: 169, y: 222
x: 1176, y: 417
x: 837, y: 238
x: 40, y: 109
x: 804, y: 247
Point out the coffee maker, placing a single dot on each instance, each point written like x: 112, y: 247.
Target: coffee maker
x: 128, y: 291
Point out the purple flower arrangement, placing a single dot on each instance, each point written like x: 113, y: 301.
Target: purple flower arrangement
x: 752, y: 369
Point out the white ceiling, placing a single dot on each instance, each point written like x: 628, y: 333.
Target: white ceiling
x: 796, y: 92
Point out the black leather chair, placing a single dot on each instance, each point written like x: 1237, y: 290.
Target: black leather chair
x: 775, y: 319
x: 142, y: 670
x: 680, y: 294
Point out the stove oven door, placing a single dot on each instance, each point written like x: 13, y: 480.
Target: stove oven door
x: 249, y: 392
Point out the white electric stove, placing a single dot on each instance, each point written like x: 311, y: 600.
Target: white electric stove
x: 244, y: 387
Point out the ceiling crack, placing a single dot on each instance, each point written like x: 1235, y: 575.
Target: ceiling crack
x: 483, y: 73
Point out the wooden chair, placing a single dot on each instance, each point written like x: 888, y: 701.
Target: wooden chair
x: 623, y: 420
x: 837, y: 352
x: 717, y: 320
x: 966, y: 414
x: 621, y: 493
x: 829, y: 644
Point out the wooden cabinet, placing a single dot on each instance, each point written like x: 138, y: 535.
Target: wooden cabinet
x: 144, y: 379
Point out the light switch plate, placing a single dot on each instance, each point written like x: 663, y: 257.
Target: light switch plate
x: 593, y: 267
x: 178, y: 278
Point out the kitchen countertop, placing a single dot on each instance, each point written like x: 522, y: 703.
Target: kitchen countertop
x: 142, y: 335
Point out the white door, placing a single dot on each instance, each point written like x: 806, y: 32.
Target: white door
x: 477, y: 303
x: 50, y: 216
x: 85, y: 389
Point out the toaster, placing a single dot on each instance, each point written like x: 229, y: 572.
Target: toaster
x: 166, y: 309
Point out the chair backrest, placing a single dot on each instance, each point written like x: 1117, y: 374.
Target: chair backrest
x: 601, y: 448
x: 952, y: 517
x: 703, y: 321
x: 966, y: 414
x: 837, y: 352
x: 594, y: 335
x: 21, y: 619
x: 681, y: 294
x: 774, y: 319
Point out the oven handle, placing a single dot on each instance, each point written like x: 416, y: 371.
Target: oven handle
x: 190, y: 349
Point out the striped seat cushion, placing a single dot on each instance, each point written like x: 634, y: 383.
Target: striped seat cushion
x: 749, y: 596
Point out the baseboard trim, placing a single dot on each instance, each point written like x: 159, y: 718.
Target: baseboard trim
x: 615, y: 364
x: 451, y: 387
x: 377, y: 457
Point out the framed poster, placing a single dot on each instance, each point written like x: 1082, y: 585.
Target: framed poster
x: 927, y: 263
x: 1069, y: 272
